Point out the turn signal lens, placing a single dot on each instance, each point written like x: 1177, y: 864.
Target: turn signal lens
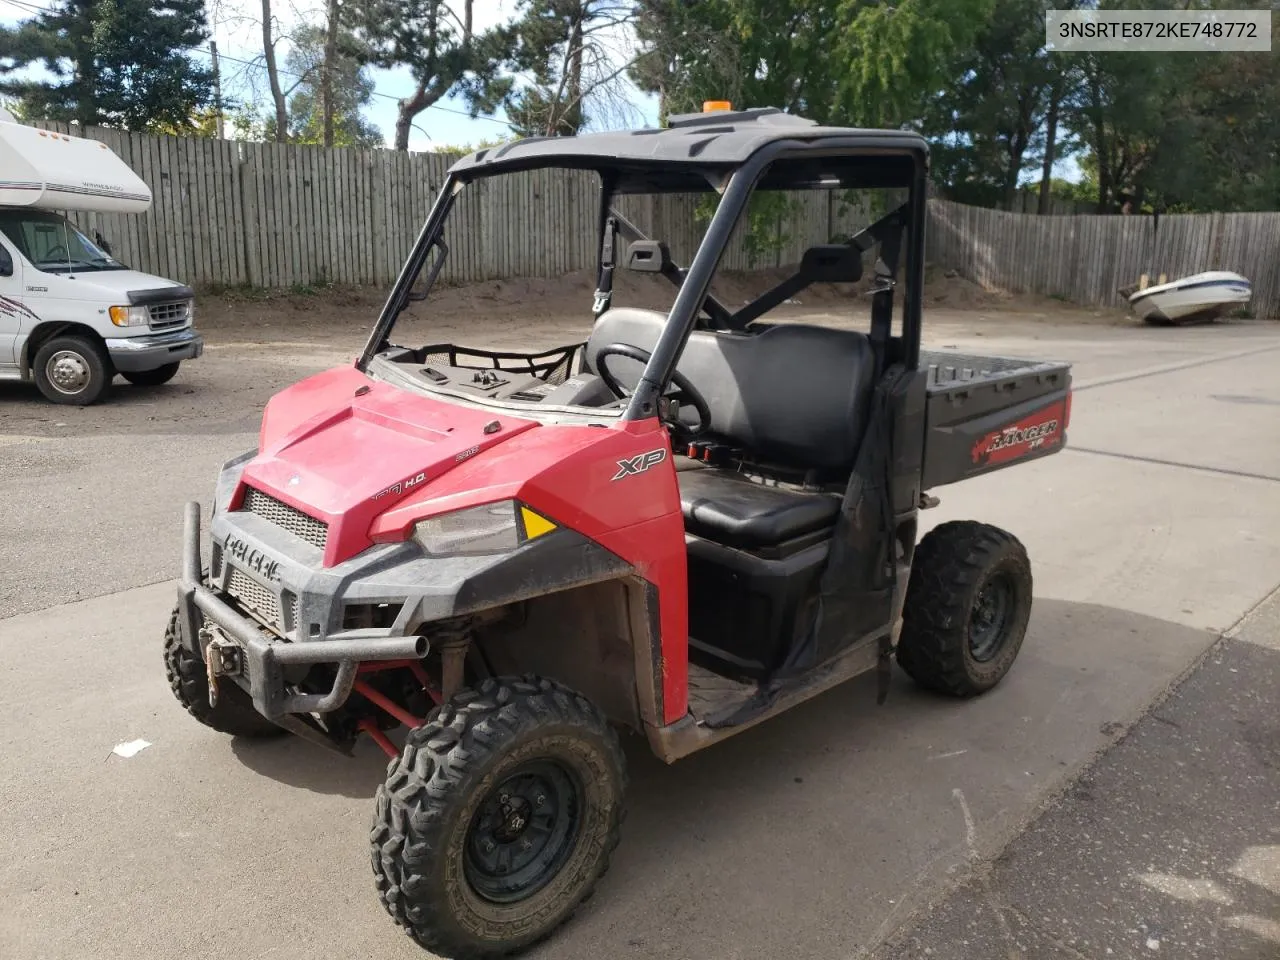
x: 535, y: 524
x: 129, y: 316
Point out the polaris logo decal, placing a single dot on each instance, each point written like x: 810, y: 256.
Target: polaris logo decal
x: 639, y: 463
x: 408, y: 483
x: 1033, y: 433
x: 251, y: 558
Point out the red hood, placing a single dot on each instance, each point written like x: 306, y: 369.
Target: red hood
x: 343, y: 448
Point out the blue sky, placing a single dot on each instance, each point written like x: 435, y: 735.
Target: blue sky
x: 237, y: 31
x: 238, y: 34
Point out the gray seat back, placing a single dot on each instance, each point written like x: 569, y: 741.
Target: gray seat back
x: 793, y: 393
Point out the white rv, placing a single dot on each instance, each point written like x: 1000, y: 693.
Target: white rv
x: 71, y: 315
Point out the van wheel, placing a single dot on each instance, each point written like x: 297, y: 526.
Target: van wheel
x: 967, y: 607
x: 72, y: 370
x: 152, y: 378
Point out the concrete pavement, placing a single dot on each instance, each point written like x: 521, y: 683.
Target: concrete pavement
x: 815, y: 835
x: 1168, y: 846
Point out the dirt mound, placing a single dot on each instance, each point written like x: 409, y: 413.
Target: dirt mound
x: 253, y: 315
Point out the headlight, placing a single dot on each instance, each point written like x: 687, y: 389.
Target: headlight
x: 130, y: 316
x: 492, y: 528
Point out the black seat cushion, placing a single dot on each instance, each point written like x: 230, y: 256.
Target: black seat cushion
x: 739, y: 513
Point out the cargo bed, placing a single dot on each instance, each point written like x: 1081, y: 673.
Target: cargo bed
x: 984, y: 413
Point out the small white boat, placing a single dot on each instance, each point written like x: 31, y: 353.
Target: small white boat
x: 1201, y: 296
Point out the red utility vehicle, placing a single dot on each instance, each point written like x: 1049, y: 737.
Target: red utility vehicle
x: 689, y: 523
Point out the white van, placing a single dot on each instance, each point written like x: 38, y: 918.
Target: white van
x: 71, y: 315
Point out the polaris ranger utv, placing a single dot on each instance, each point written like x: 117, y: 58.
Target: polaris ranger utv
x: 691, y: 522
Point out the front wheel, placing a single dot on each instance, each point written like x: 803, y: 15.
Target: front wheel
x: 73, y: 370
x: 152, y: 378
x: 234, y: 713
x: 967, y: 607
x: 498, y: 817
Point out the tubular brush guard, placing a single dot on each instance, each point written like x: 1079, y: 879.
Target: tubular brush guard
x: 263, y: 656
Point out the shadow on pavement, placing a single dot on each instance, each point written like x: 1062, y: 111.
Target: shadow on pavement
x: 816, y: 833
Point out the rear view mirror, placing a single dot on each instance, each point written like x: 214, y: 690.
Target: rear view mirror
x: 6, y: 263
x: 648, y: 256
x: 832, y: 263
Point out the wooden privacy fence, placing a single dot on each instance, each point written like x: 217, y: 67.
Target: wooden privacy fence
x: 276, y: 215
x: 1087, y: 259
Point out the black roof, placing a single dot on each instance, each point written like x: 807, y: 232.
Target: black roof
x: 726, y: 138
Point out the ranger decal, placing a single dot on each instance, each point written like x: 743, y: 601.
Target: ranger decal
x: 1040, y: 430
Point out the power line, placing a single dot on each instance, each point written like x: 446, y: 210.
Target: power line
x: 31, y: 8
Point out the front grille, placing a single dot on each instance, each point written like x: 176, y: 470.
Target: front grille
x: 255, y: 598
x: 313, y: 531
x: 166, y: 316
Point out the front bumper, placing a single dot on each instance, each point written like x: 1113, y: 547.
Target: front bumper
x: 265, y: 663
x: 139, y: 354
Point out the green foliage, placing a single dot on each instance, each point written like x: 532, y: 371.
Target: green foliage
x: 987, y: 124
x: 764, y: 231
x: 895, y: 57
x: 1192, y: 131
x: 853, y: 61
x: 352, y: 89
x: 114, y: 63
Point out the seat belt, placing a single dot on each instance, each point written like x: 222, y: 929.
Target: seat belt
x: 886, y: 272
x: 608, y: 260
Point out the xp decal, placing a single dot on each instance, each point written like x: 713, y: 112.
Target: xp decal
x: 639, y: 463
x: 1040, y: 430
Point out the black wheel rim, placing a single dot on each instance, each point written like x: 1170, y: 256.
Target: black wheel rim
x: 523, y: 832
x: 989, y: 618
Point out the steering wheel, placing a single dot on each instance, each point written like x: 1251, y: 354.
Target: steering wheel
x: 56, y: 252
x: 687, y: 392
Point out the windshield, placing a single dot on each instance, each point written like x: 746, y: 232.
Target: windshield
x: 585, y: 278
x: 52, y: 244
x: 540, y: 231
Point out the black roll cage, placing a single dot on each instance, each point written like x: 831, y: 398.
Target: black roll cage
x: 693, y: 282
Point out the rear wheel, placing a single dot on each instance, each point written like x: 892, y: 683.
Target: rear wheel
x: 967, y: 607
x: 234, y: 713
x: 72, y: 370
x: 152, y: 378
x: 498, y: 817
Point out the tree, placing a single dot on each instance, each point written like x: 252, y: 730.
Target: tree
x: 991, y: 113
x: 114, y: 63
x: 577, y: 53
x: 853, y: 61
x: 278, y: 97
x: 349, y: 90
x: 437, y: 41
